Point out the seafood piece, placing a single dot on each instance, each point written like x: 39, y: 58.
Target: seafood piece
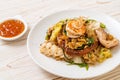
x: 102, y: 36
x: 75, y: 28
x: 51, y: 50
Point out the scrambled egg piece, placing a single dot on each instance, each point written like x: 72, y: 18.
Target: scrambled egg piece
x: 104, y: 54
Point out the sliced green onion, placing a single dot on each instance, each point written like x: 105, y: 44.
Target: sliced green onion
x: 81, y: 47
x: 65, y: 32
x: 89, y: 20
x: 47, y: 37
x: 90, y: 41
x: 102, y: 25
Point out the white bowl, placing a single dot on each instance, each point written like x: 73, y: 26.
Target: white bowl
x: 17, y: 17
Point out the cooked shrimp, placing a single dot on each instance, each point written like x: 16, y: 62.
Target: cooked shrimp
x: 75, y: 28
x: 102, y: 36
x: 71, y: 35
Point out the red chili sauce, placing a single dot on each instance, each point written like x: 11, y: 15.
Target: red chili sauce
x: 11, y: 28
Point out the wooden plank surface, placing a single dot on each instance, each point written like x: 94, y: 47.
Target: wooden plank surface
x: 15, y: 63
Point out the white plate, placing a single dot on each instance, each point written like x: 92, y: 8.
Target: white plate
x: 37, y: 35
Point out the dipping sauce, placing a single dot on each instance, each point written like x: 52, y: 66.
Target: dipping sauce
x: 11, y: 28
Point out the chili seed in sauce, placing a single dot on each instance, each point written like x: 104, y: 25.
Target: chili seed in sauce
x: 11, y: 28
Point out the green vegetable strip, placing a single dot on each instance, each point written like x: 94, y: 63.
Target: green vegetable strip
x: 89, y: 20
x: 47, y: 37
x: 65, y: 32
x: 71, y: 62
x: 90, y: 41
x: 102, y: 25
x: 56, y: 30
x: 80, y: 65
x: 81, y: 47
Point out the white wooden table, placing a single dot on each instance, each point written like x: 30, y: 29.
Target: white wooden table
x: 15, y: 63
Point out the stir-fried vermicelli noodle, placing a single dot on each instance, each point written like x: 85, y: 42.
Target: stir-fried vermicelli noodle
x: 78, y: 41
